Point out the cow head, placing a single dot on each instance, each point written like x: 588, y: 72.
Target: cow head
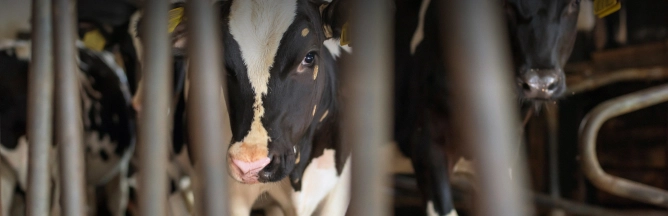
x: 542, y: 34
x: 276, y: 79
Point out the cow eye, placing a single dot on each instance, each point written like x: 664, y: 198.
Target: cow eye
x: 309, y: 59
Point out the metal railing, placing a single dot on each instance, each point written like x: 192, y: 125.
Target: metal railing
x: 40, y: 115
x: 589, y: 131
x: 475, y: 50
x: 478, y: 55
x: 154, y: 123
x: 69, y: 127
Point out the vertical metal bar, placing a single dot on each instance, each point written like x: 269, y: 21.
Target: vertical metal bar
x: 69, y: 129
x: 552, y: 114
x: 552, y: 117
x: 484, y: 112
x: 367, y: 115
x: 206, y: 108
x: 154, y: 124
x: 40, y: 109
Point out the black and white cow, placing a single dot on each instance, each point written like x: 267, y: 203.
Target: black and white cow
x: 107, y: 117
x: 542, y: 33
x: 283, y: 103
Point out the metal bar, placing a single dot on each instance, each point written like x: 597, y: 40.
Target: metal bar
x: 584, y: 209
x: 206, y: 108
x: 40, y: 110
x: 476, y: 50
x: 367, y: 115
x: 69, y: 129
x: 154, y: 122
x: 597, y: 81
x: 552, y: 117
x: 589, y: 131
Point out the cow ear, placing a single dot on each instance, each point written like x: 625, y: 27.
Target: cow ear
x: 335, y: 15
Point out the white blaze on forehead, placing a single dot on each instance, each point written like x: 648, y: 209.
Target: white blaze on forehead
x: 258, y: 26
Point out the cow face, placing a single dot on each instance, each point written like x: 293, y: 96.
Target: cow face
x: 274, y: 58
x: 542, y: 34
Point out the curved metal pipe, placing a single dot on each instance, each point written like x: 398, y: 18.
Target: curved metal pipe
x: 589, y: 130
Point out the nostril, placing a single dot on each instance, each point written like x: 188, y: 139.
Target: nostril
x: 526, y: 87
x: 552, y: 86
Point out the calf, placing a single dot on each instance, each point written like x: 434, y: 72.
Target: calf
x: 283, y: 102
x: 107, y: 119
x: 542, y: 33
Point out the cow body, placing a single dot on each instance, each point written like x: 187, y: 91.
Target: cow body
x: 541, y: 34
x: 107, y: 119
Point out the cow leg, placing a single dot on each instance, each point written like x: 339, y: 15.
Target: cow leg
x: 431, y: 169
x: 8, y: 184
x: 117, y: 193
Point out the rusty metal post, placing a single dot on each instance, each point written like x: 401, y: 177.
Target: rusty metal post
x: 69, y: 126
x: 477, y: 54
x: 40, y: 110
x: 154, y: 122
x: 367, y: 116
x: 206, y: 108
x: 589, y: 131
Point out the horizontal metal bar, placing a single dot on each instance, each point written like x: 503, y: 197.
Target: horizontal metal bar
x: 69, y: 129
x: 154, y: 121
x: 600, y: 80
x: 206, y: 108
x: 589, y: 131
x: 588, y: 210
x: 40, y: 110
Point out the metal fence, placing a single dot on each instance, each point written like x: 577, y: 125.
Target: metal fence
x: 486, y: 119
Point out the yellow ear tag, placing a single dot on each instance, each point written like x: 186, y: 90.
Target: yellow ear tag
x: 604, y: 8
x: 94, y: 40
x: 345, y: 40
x: 175, y: 17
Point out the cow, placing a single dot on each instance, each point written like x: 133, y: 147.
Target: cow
x: 282, y: 83
x: 103, y: 25
x: 108, y: 121
x: 541, y: 33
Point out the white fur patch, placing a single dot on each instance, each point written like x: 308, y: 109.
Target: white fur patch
x: 452, y: 213
x: 432, y: 212
x: 430, y: 209
x: 17, y: 160
x: 258, y: 26
x: 318, y: 180
x: 419, y: 31
x: 334, y: 47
